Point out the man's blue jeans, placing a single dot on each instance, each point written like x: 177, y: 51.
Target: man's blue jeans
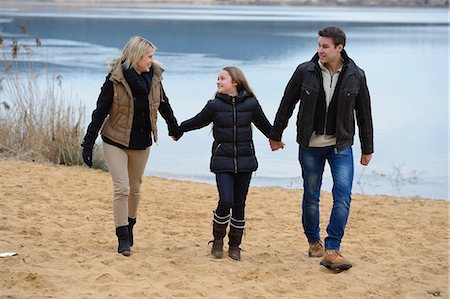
x: 312, y: 161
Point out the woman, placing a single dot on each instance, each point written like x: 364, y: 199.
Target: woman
x: 126, y: 113
x: 233, y: 160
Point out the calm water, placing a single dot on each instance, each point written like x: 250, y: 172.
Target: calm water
x: 404, y: 53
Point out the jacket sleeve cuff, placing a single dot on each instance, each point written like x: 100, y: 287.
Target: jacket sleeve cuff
x: 87, y: 143
x: 367, y: 148
x: 174, y: 130
x: 87, y: 146
x: 275, y: 136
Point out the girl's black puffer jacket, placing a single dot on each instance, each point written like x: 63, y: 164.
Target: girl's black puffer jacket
x: 233, y: 149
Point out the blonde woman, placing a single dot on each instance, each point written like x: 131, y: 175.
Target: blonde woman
x: 233, y: 159
x: 126, y: 114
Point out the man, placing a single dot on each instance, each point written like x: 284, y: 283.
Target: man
x: 331, y: 89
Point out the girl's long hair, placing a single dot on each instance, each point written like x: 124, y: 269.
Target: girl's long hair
x: 238, y: 77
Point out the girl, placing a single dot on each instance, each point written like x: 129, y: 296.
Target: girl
x: 233, y: 159
x: 129, y: 101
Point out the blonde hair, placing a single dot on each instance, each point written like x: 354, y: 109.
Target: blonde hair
x: 238, y: 77
x: 134, y: 50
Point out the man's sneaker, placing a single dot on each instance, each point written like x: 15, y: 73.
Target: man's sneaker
x: 334, y: 260
x: 316, y: 249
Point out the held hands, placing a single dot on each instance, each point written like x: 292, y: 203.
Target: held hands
x: 276, y: 145
x: 176, y: 133
x: 177, y: 136
x: 87, y: 156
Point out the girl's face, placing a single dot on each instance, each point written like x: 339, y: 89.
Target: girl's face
x: 225, y: 84
x: 145, y: 63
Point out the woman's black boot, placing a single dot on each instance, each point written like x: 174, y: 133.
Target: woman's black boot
x: 131, y: 223
x: 124, y: 240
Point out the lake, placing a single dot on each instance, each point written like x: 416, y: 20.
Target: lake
x: 403, y: 51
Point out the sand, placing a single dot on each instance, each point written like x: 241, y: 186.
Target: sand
x: 59, y: 222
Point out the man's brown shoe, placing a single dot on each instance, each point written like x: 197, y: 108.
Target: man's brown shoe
x: 334, y: 260
x: 316, y: 249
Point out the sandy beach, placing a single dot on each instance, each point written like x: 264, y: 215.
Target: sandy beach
x: 59, y: 222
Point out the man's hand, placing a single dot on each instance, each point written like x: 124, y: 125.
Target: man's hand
x: 275, y: 145
x: 365, y: 159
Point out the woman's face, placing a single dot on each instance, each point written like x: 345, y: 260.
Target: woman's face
x: 225, y: 84
x: 145, y: 63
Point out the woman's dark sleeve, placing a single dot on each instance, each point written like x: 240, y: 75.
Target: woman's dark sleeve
x: 261, y: 122
x: 167, y: 113
x: 202, y: 119
x: 104, y: 103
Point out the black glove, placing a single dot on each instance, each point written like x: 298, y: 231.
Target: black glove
x: 178, y: 136
x: 87, y: 156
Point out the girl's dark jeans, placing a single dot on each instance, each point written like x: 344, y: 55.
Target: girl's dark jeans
x: 233, y: 189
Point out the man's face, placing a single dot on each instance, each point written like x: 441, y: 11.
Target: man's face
x: 328, y: 53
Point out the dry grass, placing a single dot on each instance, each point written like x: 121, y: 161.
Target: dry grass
x: 38, y: 120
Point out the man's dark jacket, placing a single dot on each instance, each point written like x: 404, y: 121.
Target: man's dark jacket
x: 306, y: 86
x: 233, y: 149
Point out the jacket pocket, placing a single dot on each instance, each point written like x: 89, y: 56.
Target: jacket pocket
x: 114, y: 120
x: 349, y: 96
x: 307, y: 93
x: 308, y: 102
x: 252, y: 150
x: 216, y: 150
x: 213, y: 164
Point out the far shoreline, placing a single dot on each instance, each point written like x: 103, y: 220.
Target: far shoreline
x: 278, y: 3
x: 354, y: 194
x: 257, y: 183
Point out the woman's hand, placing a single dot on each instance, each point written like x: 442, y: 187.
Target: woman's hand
x: 87, y: 156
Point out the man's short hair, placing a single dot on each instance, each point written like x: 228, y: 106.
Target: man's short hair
x: 335, y: 33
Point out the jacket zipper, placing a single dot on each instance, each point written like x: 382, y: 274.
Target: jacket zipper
x: 233, y: 101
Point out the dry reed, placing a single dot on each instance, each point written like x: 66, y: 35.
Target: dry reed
x: 38, y: 120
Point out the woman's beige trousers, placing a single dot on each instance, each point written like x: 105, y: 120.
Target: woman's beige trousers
x: 126, y: 168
